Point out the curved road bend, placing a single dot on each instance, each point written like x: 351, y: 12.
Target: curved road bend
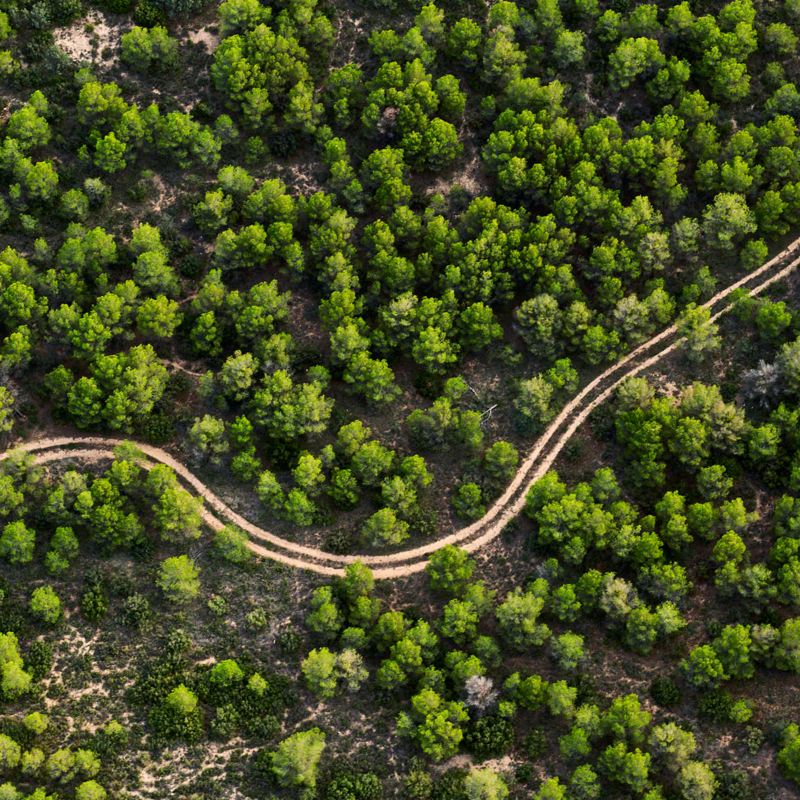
x: 472, y: 537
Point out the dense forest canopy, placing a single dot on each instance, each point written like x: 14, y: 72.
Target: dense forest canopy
x: 346, y: 261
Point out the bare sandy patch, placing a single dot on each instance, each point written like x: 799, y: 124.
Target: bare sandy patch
x: 87, y: 38
x: 470, y: 176
x: 205, y: 36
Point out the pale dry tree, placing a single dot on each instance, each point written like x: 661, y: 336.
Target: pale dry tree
x: 762, y: 385
x: 480, y: 692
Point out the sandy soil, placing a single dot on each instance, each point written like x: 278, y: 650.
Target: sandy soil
x: 81, y: 44
x: 204, y: 36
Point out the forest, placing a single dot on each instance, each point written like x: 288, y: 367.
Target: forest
x: 399, y: 399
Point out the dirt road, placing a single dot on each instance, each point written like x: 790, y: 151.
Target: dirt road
x: 472, y: 537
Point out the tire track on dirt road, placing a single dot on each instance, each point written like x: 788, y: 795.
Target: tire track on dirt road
x: 216, y: 513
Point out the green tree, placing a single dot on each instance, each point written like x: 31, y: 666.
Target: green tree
x: 325, y: 618
x: 208, y: 438
x: 17, y: 543
x: 697, y: 781
x: 90, y: 790
x: 727, y: 220
x: 149, y: 49
x: 179, y: 579
x: 319, y: 672
x: 296, y: 760
x: 551, y: 789
x: 232, y: 544
x: 36, y: 722
x: 633, y: 58
x: 626, y: 719
x: 10, y: 753
x: 468, y: 502
x: 45, y: 604
x: 629, y: 768
x: 732, y: 647
x: 788, y: 755
x: 158, y: 317
x: 672, y: 745
x: 384, y: 528
x: 500, y: 463
x: 371, y: 377
x: 110, y: 153
x: 484, y: 784
x: 6, y: 407
x: 568, y: 650
x: 434, y: 723
x: 703, y: 668
x: 699, y: 332
x: 464, y: 42
x: 518, y: 619
x: 240, y: 16
x: 178, y: 514
x: 450, y: 570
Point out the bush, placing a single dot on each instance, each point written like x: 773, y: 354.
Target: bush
x: 116, y: 6
x: 715, y: 705
x: 467, y: 501
x: 149, y: 13
x: 136, y: 611
x: 289, y: 640
x: 665, y: 692
x: 39, y: 660
x: 157, y: 427
x: 733, y: 784
x: 354, y: 786
x: 535, y: 743
x: 94, y: 602
x: 489, y: 737
x: 418, y: 785
x: 450, y: 786
x: 340, y: 542
x: 257, y: 619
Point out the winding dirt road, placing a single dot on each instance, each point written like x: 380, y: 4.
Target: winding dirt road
x: 472, y: 537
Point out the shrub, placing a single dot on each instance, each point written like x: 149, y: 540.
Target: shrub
x: 158, y: 427
x: 136, y: 611
x: 665, y: 692
x: 418, y: 785
x: 257, y: 619
x: 733, y: 784
x: 489, y: 737
x: 289, y: 639
x: 178, y: 716
x: 39, y: 660
x: 467, y: 501
x: 94, y: 602
x: 716, y: 705
x: 449, y: 786
x: 354, y: 786
x: 535, y: 743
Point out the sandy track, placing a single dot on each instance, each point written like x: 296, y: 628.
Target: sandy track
x: 472, y: 537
